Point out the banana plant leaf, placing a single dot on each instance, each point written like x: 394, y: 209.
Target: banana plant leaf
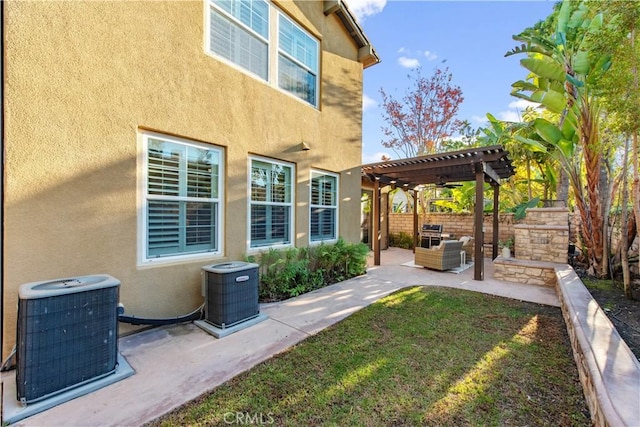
x: 523, y: 85
x: 554, y: 101
x: 551, y: 174
x: 602, y: 64
x: 563, y: 17
x: 534, y: 144
x: 544, y: 67
x: 574, y: 81
x: 581, y: 63
x: 547, y: 131
x: 577, y: 17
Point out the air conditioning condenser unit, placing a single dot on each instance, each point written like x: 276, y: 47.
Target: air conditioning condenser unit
x: 67, y: 334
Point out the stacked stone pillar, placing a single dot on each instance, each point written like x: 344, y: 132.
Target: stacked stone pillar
x: 541, y: 243
x: 543, y: 236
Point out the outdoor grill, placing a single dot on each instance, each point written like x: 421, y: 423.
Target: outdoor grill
x: 430, y: 235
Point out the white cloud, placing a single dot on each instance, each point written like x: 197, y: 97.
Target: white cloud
x: 410, y: 58
x: 364, y: 8
x: 408, y: 62
x: 430, y: 55
x: 368, y: 102
x: 374, y: 158
x: 509, y: 116
x: 513, y: 113
x: 516, y: 108
x: 479, y: 120
x: 522, y: 104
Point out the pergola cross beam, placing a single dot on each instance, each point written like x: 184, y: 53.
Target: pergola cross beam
x: 490, y: 173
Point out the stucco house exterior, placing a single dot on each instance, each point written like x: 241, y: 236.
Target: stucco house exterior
x: 146, y: 139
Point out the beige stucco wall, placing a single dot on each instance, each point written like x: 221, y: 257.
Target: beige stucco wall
x: 82, y: 80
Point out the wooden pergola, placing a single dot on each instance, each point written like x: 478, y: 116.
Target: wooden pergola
x: 480, y: 164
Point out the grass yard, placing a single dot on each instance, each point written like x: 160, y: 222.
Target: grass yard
x: 421, y: 356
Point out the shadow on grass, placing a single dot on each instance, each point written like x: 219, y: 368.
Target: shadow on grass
x: 432, y: 356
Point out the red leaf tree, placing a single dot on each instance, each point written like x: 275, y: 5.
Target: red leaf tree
x: 424, y: 117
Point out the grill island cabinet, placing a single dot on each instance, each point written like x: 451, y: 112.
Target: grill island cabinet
x: 431, y: 235
x: 231, y: 293
x: 67, y: 334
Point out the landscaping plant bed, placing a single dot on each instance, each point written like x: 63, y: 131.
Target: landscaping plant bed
x: 623, y: 312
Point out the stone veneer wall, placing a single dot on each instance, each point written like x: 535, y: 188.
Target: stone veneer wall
x: 543, y: 236
x: 542, y: 242
x: 609, y: 372
x: 522, y: 271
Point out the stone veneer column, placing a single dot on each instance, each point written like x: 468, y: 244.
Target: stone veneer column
x: 543, y: 236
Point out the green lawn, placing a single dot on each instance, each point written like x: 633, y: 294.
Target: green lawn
x: 421, y: 356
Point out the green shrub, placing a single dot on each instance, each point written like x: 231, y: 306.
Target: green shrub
x: 286, y: 273
x: 401, y: 240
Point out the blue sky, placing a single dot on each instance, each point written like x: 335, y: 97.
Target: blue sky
x: 471, y: 36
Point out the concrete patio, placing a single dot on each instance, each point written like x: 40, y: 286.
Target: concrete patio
x: 178, y: 363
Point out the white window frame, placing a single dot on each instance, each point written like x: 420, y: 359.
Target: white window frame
x: 144, y: 260
x: 315, y: 174
x: 286, y: 55
x: 273, y: 46
x: 290, y: 204
x: 211, y: 5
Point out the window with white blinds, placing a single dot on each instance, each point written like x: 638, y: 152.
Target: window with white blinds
x: 182, y: 197
x: 240, y: 32
x: 270, y: 203
x: 323, y: 220
x: 297, y: 61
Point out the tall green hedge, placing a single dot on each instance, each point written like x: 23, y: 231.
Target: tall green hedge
x: 286, y: 273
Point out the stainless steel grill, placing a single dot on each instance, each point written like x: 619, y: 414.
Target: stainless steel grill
x: 430, y: 235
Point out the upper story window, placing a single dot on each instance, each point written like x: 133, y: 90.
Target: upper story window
x: 297, y: 61
x: 270, y: 203
x: 239, y: 32
x: 243, y: 32
x: 181, y: 199
x: 323, y: 221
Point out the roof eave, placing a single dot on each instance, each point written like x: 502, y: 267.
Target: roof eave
x: 367, y: 55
